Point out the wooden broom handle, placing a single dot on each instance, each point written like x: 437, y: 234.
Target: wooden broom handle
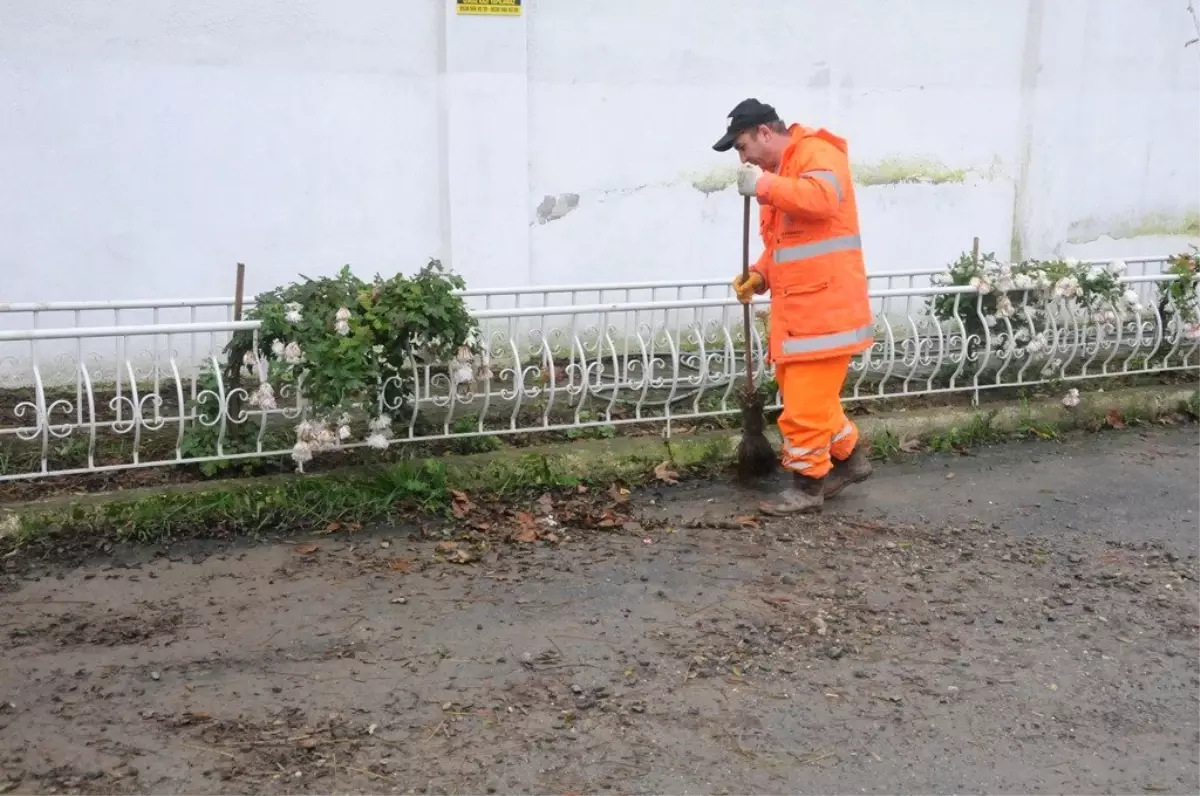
x: 746, y: 307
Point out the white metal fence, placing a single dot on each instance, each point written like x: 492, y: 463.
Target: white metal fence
x: 78, y: 397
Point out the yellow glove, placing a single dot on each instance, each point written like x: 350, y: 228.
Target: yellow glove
x: 747, y: 286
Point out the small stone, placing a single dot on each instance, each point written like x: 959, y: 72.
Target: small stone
x: 788, y: 580
x: 385, y: 545
x: 400, y: 601
x: 155, y: 676
x: 836, y: 652
x: 1075, y: 558
x: 576, y: 689
x: 637, y: 707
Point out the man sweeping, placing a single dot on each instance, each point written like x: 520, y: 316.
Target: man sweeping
x: 820, y: 310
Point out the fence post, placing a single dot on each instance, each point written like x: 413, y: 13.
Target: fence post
x: 233, y: 367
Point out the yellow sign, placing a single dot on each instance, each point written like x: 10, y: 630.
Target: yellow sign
x: 493, y: 8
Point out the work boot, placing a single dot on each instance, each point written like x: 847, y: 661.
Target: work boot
x: 804, y: 495
x: 853, y: 469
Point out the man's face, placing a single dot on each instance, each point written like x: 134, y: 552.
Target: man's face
x: 753, y: 146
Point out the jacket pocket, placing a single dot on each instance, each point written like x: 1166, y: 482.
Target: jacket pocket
x: 807, y: 309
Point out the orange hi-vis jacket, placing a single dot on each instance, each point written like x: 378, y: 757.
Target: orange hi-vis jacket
x: 813, y: 263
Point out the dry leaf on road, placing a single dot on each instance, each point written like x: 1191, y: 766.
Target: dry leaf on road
x: 1115, y: 418
x: 618, y: 493
x: 461, y: 504
x: 306, y: 549
x: 665, y: 474
x: 400, y: 565
x: 527, y: 530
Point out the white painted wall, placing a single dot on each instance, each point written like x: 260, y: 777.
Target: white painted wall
x: 148, y: 145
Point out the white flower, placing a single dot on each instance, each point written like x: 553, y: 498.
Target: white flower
x: 1191, y: 331
x: 472, y: 338
x: 1118, y: 267
x: 981, y: 284
x: 292, y: 312
x: 343, y: 432
x: 381, y: 422
x: 1071, y: 399
x: 1051, y: 366
x: 292, y: 353
x: 249, y: 359
x: 1132, y: 298
x: 940, y: 279
x: 377, y: 350
x: 326, y: 437
x: 301, y: 453
x: 1037, y: 344
x: 991, y: 321
x: 343, y: 314
x: 462, y: 373
x: 277, y: 349
x: 342, y: 327
x: 1071, y: 261
x: 1023, y: 282
x: 377, y: 441
x: 264, y: 397
x: 1004, y: 306
x: 1067, y: 287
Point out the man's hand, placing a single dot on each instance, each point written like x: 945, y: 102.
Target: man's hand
x: 746, y: 286
x: 748, y: 176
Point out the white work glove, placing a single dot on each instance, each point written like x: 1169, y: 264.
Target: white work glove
x: 748, y: 176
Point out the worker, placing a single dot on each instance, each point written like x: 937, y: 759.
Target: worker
x: 820, y: 310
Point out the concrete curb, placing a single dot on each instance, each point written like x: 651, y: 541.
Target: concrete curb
x: 632, y: 460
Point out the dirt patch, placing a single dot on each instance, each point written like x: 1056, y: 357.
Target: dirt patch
x: 976, y: 642
x: 72, y: 629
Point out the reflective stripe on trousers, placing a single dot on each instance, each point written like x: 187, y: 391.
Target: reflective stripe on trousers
x: 797, y: 452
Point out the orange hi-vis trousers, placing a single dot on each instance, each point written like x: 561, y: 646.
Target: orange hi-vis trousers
x: 813, y: 425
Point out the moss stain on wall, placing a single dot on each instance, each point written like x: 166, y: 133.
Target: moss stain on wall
x: 1186, y: 224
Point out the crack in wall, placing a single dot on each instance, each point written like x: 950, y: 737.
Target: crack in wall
x: 1191, y: 9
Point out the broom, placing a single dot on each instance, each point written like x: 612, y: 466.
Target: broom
x: 755, y: 456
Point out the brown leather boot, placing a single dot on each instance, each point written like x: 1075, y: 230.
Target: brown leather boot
x: 804, y: 495
x: 855, y: 468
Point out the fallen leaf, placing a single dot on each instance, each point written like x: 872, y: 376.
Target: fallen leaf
x: 1115, y: 418
x: 461, y: 557
x: 307, y: 743
x: 546, y: 502
x: 400, y: 565
x: 747, y: 521
x: 910, y: 445
x: 527, y: 530
x: 618, y: 493
x: 446, y: 547
x: 332, y: 527
x: 461, y: 504
x: 582, y: 489
x: 307, y: 549
x: 552, y: 538
x: 665, y: 474
x: 525, y: 535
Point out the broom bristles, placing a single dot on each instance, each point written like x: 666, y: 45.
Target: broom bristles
x: 756, y: 457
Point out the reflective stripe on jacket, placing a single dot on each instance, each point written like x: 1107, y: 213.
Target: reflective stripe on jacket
x: 813, y: 263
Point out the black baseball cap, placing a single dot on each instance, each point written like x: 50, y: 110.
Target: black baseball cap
x: 746, y: 114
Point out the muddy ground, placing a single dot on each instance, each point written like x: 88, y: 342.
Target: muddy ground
x: 1021, y: 620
